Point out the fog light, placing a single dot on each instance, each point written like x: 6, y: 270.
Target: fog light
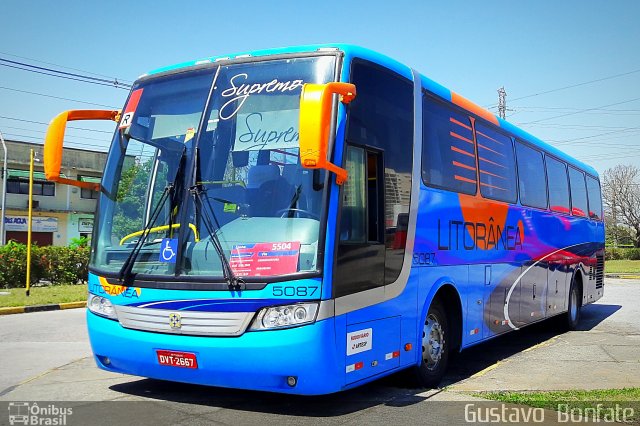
x: 292, y: 381
x: 104, y: 360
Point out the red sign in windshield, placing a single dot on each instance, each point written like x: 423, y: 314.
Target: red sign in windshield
x: 261, y: 259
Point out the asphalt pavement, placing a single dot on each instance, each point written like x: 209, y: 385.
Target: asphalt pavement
x: 46, y: 357
x: 604, y: 353
x: 39, y: 342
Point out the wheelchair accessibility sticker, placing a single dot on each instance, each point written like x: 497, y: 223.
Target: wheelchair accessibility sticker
x: 169, y: 250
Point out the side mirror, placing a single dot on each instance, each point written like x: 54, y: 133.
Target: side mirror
x: 316, y: 104
x: 55, y: 137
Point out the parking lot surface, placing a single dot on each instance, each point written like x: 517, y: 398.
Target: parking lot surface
x: 46, y: 357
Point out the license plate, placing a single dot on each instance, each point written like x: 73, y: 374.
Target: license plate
x: 177, y: 359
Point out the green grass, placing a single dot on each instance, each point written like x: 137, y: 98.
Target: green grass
x: 44, y: 295
x: 628, y: 397
x: 622, y: 267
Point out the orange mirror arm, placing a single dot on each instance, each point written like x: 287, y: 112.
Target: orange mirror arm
x: 55, y: 137
x: 316, y: 120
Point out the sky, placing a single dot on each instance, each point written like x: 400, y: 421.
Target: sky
x: 571, y: 68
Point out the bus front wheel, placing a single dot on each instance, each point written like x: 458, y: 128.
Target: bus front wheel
x: 436, y: 340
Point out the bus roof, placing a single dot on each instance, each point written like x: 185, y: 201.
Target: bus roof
x: 351, y: 51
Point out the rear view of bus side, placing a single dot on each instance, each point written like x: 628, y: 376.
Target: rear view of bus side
x: 317, y: 217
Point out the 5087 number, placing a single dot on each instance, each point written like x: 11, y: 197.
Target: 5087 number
x: 294, y: 291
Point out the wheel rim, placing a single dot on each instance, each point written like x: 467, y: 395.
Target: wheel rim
x: 574, y: 305
x: 432, y: 342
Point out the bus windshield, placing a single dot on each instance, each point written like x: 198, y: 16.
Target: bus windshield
x: 204, y: 172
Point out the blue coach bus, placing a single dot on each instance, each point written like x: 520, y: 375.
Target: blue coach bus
x: 308, y: 219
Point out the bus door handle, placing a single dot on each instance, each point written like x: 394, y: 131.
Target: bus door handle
x: 487, y: 275
x: 534, y: 291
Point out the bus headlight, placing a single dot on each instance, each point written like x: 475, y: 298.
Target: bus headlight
x: 101, y: 306
x: 285, y: 316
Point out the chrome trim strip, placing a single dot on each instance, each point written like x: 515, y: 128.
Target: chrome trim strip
x: 373, y: 296
x: 326, y: 310
x: 194, y: 323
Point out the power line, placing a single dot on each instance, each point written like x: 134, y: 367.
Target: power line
x: 55, y: 75
x: 610, y: 138
x: 575, y: 85
x: 73, y: 142
x: 613, y: 153
x: 44, y: 132
x: 576, y: 109
x: 63, y: 74
x: 46, y: 124
x: 595, y: 136
x: 65, y: 67
x: 56, y: 97
x: 600, y: 158
x: 577, y: 112
x: 581, y: 126
x: 115, y: 81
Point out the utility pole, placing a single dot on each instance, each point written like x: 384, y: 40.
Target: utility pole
x: 3, y: 238
x: 502, y: 103
x: 29, y: 227
x: 615, y: 223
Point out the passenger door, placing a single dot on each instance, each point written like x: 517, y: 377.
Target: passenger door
x: 361, y: 248
x: 378, y: 156
x: 374, y: 199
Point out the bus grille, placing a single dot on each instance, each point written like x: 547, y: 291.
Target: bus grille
x: 600, y: 271
x: 195, y: 323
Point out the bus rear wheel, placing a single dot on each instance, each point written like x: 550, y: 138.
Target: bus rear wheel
x: 572, y: 317
x: 435, y: 347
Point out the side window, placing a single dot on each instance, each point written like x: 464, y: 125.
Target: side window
x: 595, y: 198
x: 497, y: 165
x: 558, y: 185
x: 531, y: 176
x: 578, y: 193
x: 449, y: 157
x: 89, y: 193
x: 20, y: 185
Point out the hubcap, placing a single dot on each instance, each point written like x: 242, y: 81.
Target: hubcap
x: 432, y: 342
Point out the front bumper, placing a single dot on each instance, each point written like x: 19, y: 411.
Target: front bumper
x: 259, y: 360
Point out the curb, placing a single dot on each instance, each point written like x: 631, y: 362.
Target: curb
x: 623, y: 276
x: 42, y: 308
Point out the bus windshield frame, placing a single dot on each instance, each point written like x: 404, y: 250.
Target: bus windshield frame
x: 204, y: 166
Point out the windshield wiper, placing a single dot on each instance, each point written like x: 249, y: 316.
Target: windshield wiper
x: 127, y: 266
x: 234, y: 282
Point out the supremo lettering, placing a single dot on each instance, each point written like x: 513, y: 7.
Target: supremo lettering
x: 459, y: 235
x: 258, y: 136
x: 240, y: 91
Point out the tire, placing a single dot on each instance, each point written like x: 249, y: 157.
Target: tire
x: 574, y: 305
x: 436, y: 338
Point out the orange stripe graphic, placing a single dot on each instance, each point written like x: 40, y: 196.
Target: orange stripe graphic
x: 453, y: 120
x: 464, y: 166
x: 464, y: 179
x: 462, y: 138
x: 461, y: 151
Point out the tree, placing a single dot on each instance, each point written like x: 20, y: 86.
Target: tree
x: 621, y: 197
x: 132, y: 191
